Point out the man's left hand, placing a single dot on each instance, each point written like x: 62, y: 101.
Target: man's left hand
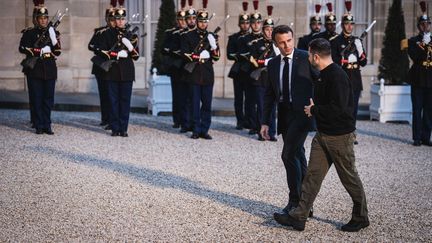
x: 307, y: 109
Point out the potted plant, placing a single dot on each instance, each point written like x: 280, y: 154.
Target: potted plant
x: 391, y: 97
x: 160, y: 97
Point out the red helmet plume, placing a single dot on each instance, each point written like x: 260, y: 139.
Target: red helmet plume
x: 205, y: 2
x: 255, y: 5
x: 317, y: 8
x: 348, y: 5
x: 121, y: 2
x: 245, y: 6
x: 329, y: 7
x: 113, y: 3
x: 190, y: 2
x: 269, y: 10
x: 423, y: 6
x: 182, y: 4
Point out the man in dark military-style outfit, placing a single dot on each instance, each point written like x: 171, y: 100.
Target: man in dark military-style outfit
x: 239, y: 77
x: 97, y: 71
x: 119, y: 46
x: 41, y: 45
x: 315, y: 27
x: 329, y: 24
x: 348, y: 51
x: 200, y: 49
x: 245, y: 43
x: 420, y: 78
x: 262, y: 50
x: 173, y: 63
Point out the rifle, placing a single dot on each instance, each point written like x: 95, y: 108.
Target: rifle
x: 190, y: 66
x: 106, y: 64
x: 43, y: 40
x: 256, y: 74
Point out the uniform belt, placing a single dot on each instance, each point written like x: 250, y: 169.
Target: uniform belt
x: 352, y: 65
x: 427, y: 64
x: 47, y: 55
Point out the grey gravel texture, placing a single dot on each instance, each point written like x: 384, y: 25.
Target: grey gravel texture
x: 159, y: 185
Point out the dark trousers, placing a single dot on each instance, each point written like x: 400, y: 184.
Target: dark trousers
x: 175, y: 91
x: 31, y: 102
x: 104, y: 100
x: 201, y: 103
x: 120, y: 98
x: 239, y: 96
x: 422, y: 113
x: 293, y: 153
x: 325, y: 151
x: 185, y: 104
x: 259, y: 97
x: 356, y: 97
x: 43, y: 101
x: 250, y: 105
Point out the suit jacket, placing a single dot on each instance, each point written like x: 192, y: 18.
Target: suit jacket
x: 302, y: 76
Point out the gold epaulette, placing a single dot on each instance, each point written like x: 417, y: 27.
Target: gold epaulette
x: 26, y: 29
x: 169, y: 30
x: 101, y: 30
x: 333, y: 37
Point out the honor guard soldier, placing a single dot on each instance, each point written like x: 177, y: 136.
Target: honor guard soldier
x: 262, y: 51
x: 97, y: 71
x: 348, y: 51
x: 239, y: 76
x: 119, y: 48
x: 245, y: 44
x: 315, y: 27
x: 173, y: 62
x: 329, y: 25
x: 200, y: 49
x: 41, y: 45
x: 420, y: 78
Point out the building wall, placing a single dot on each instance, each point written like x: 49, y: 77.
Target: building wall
x: 76, y: 30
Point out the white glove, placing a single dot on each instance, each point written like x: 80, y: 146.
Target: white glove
x: 204, y: 54
x: 266, y: 61
x: 352, y: 58
x: 122, y: 54
x: 128, y: 44
x: 212, y: 41
x: 45, y: 49
x: 359, y: 46
x: 52, y: 36
x: 426, y: 38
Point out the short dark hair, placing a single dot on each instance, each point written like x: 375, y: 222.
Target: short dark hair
x: 320, y: 46
x: 281, y: 29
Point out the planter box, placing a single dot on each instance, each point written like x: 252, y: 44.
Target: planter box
x: 160, y: 95
x: 390, y: 102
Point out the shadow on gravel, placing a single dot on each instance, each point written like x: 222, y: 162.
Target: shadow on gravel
x: 84, y: 124
x: 384, y: 136
x: 164, y: 180
x: 19, y: 125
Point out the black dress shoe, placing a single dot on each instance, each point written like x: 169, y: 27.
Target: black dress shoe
x: 206, y: 136
x: 124, y: 134
x: 108, y: 127
x: 195, y: 136
x: 417, y: 143
x: 115, y: 134
x: 427, y: 143
x: 287, y: 220
x: 103, y: 123
x: 289, y: 207
x: 239, y: 127
x: 252, y: 132
x: 273, y: 139
x: 49, y: 131
x: 39, y: 131
x: 183, y: 130
x: 260, y: 138
x: 354, y: 226
x: 355, y: 142
x: 176, y: 125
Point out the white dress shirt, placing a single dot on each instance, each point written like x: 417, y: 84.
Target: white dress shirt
x: 282, y: 64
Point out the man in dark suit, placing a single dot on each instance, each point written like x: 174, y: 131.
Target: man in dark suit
x: 290, y: 88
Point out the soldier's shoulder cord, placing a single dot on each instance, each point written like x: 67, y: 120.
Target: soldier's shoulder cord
x: 27, y: 29
x: 170, y: 30
x: 255, y: 41
x: 333, y: 37
x: 102, y: 30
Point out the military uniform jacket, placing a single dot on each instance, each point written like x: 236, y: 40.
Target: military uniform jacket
x: 94, y: 46
x: 262, y: 49
x: 341, y: 48
x: 45, y: 68
x: 172, y: 58
x: 303, y: 42
x: 420, y: 73
x: 122, y: 69
x: 245, y: 45
x: 192, y: 44
x: 326, y: 35
x: 233, y: 54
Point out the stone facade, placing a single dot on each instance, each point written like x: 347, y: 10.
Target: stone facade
x: 76, y: 30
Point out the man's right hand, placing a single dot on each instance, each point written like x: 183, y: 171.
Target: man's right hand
x: 264, y: 132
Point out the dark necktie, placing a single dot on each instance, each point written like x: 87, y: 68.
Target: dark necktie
x: 285, y: 79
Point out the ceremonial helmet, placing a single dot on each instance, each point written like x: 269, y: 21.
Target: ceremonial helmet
x: 203, y: 14
x: 256, y: 16
x: 120, y: 11
x: 268, y: 22
x: 191, y: 12
x: 39, y: 9
x: 330, y: 17
x: 110, y: 11
x: 424, y: 17
x: 348, y: 18
x: 244, y: 17
x: 181, y: 14
x: 316, y: 18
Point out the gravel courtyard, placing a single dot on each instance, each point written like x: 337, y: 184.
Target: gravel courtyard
x: 159, y: 185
